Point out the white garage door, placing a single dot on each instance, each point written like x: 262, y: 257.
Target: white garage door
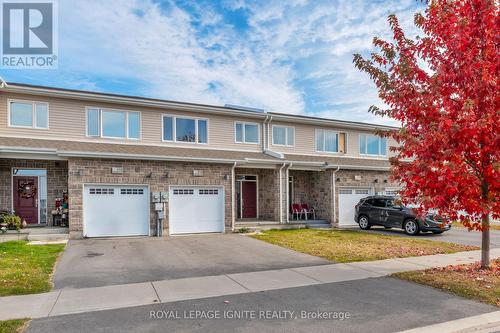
x: 348, y: 198
x: 111, y: 210
x: 196, y: 210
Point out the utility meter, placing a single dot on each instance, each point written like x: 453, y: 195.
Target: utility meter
x: 164, y: 196
x: 155, y: 197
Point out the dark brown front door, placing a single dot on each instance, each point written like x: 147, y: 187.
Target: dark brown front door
x: 25, y: 194
x: 249, y: 191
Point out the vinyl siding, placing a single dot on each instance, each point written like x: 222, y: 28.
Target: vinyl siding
x: 305, y: 138
x: 67, y: 120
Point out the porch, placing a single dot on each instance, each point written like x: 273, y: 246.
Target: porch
x: 36, y: 190
x: 267, y: 198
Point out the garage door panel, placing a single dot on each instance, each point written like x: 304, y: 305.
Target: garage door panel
x: 348, y: 198
x: 196, y: 210
x: 116, y: 210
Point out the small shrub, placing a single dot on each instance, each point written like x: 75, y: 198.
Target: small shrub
x: 12, y: 221
x: 243, y: 230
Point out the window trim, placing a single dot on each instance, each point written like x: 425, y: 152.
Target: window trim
x: 33, y: 113
x: 174, y: 129
x: 243, y: 123
x: 366, y: 146
x: 286, y: 136
x: 100, y: 135
x: 337, y: 133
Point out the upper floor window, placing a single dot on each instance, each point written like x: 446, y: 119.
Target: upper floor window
x: 246, y: 132
x: 29, y: 114
x: 370, y: 144
x: 283, y: 135
x: 184, y: 129
x: 113, y: 123
x: 327, y: 141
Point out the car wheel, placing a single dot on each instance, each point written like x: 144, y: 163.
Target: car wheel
x: 437, y: 232
x: 364, y: 223
x: 411, y: 227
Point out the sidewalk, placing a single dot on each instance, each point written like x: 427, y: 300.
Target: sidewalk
x: 66, y: 301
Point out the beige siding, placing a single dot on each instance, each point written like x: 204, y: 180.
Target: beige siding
x: 305, y: 140
x: 67, y: 121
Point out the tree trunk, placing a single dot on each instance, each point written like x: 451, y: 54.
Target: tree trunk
x: 485, y: 242
x: 485, y: 236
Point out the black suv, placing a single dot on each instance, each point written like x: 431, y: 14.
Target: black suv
x: 387, y: 212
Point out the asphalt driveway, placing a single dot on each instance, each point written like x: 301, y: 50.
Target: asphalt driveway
x: 455, y: 235
x: 102, y: 262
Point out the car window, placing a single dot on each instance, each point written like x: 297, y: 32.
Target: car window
x: 368, y: 202
x: 391, y: 203
x: 379, y: 203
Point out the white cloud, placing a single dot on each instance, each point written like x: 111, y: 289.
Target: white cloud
x: 294, y: 56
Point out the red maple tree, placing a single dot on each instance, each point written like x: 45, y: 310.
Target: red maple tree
x: 443, y: 89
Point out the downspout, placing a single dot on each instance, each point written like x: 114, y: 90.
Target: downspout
x: 265, y: 133
x: 268, y: 135
x: 233, y: 189
x: 334, y: 181
x: 288, y: 192
x: 281, y: 192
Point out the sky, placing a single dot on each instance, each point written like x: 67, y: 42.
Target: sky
x: 291, y: 56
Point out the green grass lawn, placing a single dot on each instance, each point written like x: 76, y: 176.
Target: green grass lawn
x: 12, y: 326
x: 349, y: 245
x: 27, y: 269
x: 464, y: 280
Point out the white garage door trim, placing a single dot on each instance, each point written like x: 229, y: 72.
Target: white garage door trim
x: 345, y: 218
x: 130, y: 191
x: 195, y: 192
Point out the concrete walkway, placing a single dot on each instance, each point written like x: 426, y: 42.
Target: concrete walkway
x: 66, y: 301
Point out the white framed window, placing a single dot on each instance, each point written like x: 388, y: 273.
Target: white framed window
x: 246, y: 132
x: 374, y: 145
x: 283, y: 136
x: 28, y: 114
x: 327, y: 141
x: 184, y: 129
x: 115, y: 124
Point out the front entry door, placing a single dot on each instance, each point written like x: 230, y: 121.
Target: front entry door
x: 25, y: 194
x: 249, y: 202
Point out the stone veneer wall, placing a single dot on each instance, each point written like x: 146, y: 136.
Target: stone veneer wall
x: 135, y: 172
x: 315, y: 189
x: 268, y: 191
x: 57, y: 180
x: 346, y: 178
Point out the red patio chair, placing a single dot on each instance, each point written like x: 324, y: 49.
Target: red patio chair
x: 306, y: 210
x: 296, y: 211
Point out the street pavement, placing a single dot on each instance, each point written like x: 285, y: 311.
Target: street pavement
x: 372, y: 305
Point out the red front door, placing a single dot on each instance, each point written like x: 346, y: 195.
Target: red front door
x: 249, y: 191
x: 25, y: 194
